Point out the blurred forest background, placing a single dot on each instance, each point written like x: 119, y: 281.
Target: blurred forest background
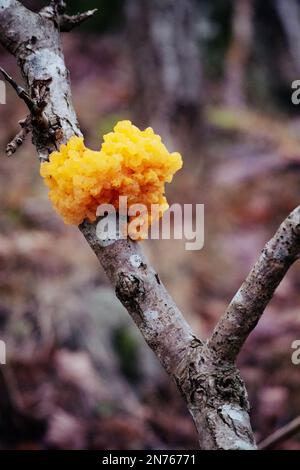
x: 214, y: 79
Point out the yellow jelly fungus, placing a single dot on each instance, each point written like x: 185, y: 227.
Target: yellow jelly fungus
x: 131, y: 163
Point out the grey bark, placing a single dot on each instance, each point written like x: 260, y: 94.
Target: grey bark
x: 204, y: 372
x: 250, y: 301
x: 213, y: 390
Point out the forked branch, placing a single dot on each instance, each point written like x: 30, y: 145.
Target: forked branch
x: 204, y: 372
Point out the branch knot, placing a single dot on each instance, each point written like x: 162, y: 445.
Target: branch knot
x: 130, y: 289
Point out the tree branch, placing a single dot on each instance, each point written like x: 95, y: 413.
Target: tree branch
x: 250, y: 301
x: 55, y: 11
x: 67, y: 23
x: 139, y: 288
x: 18, y: 140
x: 60, y: 5
x: 36, y: 107
x: 212, y: 388
x: 281, y: 435
x: 11, y: 34
x: 18, y: 89
x: 36, y: 43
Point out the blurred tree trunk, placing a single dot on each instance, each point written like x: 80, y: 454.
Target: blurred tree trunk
x: 238, y: 54
x: 163, y: 40
x: 289, y: 14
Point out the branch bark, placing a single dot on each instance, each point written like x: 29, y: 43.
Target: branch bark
x: 18, y: 140
x: 204, y: 372
x: 67, y: 23
x: 250, y: 301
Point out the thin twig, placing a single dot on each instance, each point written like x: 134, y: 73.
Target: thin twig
x: 67, y: 23
x: 19, y: 139
x: 281, y: 435
x: 19, y: 90
x: 56, y: 12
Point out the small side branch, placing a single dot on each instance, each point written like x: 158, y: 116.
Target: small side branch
x: 36, y: 106
x: 66, y: 23
x: 281, y: 435
x: 56, y: 12
x: 30, y: 103
x: 18, y: 140
x: 250, y: 301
